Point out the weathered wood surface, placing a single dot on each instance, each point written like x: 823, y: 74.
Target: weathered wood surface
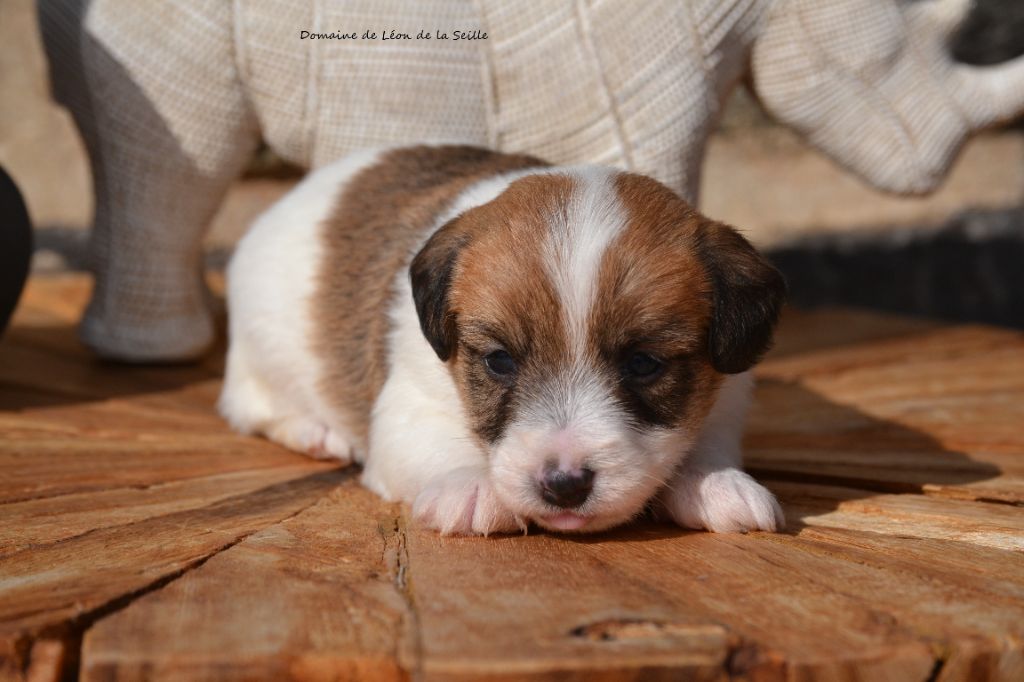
x: 140, y: 539
x: 114, y: 480
x: 318, y: 596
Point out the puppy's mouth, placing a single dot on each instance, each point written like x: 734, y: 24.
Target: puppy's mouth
x: 566, y: 521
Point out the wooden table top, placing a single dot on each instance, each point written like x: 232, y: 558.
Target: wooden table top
x: 140, y: 538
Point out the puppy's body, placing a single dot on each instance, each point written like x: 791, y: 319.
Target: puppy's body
x: 509, y: 379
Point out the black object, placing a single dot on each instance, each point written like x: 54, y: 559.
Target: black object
x: 970, y: 269
x: 15, y: 246
x: 993, y: 32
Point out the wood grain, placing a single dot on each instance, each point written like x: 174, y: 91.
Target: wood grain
x: 908, y: 516
x: 133, y: 522
x: 51, y: 519
x: 48, y: 584
x: 315, y: 597
x: 777, y: 606
x: 114, y: 480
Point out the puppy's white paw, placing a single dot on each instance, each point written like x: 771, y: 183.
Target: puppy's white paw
x: 462, y: 502
x: 727, y: 500
x: 310, y: 437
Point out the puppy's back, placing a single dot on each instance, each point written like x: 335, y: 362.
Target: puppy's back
x: 311, y: 284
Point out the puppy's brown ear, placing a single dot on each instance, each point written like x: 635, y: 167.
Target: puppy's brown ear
x: 431, y: 272
x: 748, y: 293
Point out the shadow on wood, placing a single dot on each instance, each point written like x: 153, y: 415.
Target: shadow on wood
x: 46, y: 366
x: 853, y: 448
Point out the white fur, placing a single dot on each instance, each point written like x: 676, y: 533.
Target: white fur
x: 420, y: 447
x: 272, y: 375
x: 418, y: 426
x: 710, y: 490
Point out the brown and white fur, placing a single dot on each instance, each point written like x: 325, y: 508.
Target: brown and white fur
x: 501, y: 342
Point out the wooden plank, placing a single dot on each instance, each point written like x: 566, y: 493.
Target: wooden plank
x: 51, y: 519
x: 978, y: 575
x: 997, y: 574
x: 319, y: 596
x: 115, y: 478
x: 971, y: 618
x: 126, y: 481
x: 936, y: 412
x: 67, y: 584
x: 909, y: 516
x: 66, y: 465
x: 37, y: 413
x: 658, y: 640
x: 539, y: 607
x: 641, y: 602
x: 338, y: 611
x: 775, y: 606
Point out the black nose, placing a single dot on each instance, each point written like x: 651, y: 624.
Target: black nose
x: 566, y: 488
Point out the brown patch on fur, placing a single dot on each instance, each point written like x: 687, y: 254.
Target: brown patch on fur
x: 503, y: 299
x: 379, y: 219
x: 686, y: 290
x: 654, y: 295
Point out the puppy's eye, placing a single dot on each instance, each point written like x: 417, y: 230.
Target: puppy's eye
x: 642, y: 367
x: 500, y: 363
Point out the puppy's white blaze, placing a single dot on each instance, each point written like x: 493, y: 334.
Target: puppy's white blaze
x: 574, y: 419
x: 577, y: 243
x: 579, y: 236
x: 579, y: 403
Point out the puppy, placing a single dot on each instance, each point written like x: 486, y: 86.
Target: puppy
x: 501, y: 342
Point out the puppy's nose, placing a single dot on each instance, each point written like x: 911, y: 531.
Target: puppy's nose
x: 566, y: 488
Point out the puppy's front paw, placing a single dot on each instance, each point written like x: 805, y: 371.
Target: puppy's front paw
x: 722, y: 501
x: 462, y: 502
x: 310, y: 437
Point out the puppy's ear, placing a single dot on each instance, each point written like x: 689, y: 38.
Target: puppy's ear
x: 431, y: 273
x: 748, y: 293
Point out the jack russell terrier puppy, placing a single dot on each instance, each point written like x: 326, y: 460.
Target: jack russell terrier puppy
x: 499, y: 341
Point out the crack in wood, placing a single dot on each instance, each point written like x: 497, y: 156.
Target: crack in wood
x: 71, y: 632
x: 395, y: 556
x: 744, y: 657
x: 620, y: 629
x: 937, y: 667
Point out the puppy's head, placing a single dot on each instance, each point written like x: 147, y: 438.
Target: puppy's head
x: 587, y: 318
